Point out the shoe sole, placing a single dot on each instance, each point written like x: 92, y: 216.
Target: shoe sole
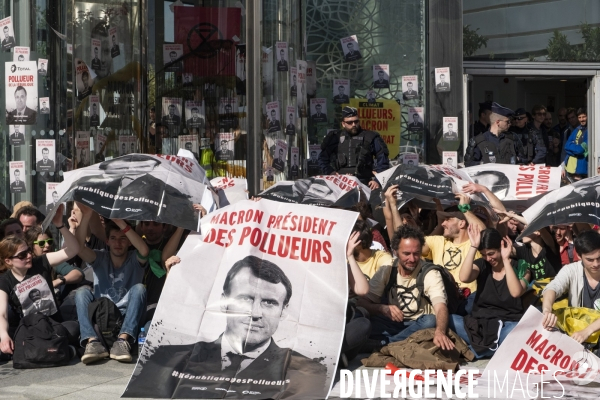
x: 90, y: 358
x: 122, y: 358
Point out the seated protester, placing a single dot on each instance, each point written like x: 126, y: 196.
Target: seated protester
x: 95, y: 238
x: 563, y: 234
x: 498, y: 305
x: 396, y: 312
x: 364, y: 213
x: 26, y: 284
x: 580, y: 282
x: 153, y: 234
x: 393, y: 217
x: 537, y: 255
x: 369, y: 261
x: 11, y: 226
x: 62, y: 274
x: 29, y: 217
x: 118, y: 275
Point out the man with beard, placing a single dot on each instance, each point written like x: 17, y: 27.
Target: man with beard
x: 407, y: 311
x: 352, y: 150
x: 563, y: 234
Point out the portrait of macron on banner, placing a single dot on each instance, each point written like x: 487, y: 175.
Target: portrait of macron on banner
x: 8, y: 34
x: 274, y: 287
x: 45, y: 155
x: 21, y: 92
x: 350, y: 48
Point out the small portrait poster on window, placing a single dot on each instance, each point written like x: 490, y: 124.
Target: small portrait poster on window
x: 318, y: 110
x: 82, y: 148
x: 269, y: 174
x: 301, y: 96
x: 293, y: 82
x: 16, y: 135
x: 449, y: 158
x: 294, y: 163
x: 21, y: 53
x: 172, y: 54
x: 52, y: 197
x: 189, y: 142
x: 450, y: 129
x: 123, y: 145
x: 115, y: 50
x: 21, y: 92
x: 100, y: 140
x: 133, y: 144
x: 311, y: 78
x: 411, y: 159
x: 42, y: 66
x: 96, y: 63
x: 280, y: 155
x: 442, y: 79
x: 415, y: 118
x: 350, y: 48
x: 281, y: 49
x: 83, y: 80
x: 225, y: 146
x: 17, y: 176
x: 381, y: 76
x: 341, y: 91
x: 45, y: 155
x: 44, y: 105
x: 410, y: 87
x: 272, y: 111
x: 8, y: 34
x: 194, y: 115
x: 94, y: 110
x: 171, y: 111
x: 290, y: 120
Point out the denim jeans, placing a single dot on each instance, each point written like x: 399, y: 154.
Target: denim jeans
x: 466, y: 306
x: 383, y: 328
x: 133, y: 313
x: 457, y: 324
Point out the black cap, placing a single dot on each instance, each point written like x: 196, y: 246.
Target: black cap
x: 348, y: 112
x: 487, y: 105
x: 520, y: 111
x: 498, y: 109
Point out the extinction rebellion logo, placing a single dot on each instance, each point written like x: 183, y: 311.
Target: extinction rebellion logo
x: 204, y: 40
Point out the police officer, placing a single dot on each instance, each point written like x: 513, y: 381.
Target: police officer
x: 352, y: 150
x: 529, y: 144
x: 493, y: 146
x: 483, y: 124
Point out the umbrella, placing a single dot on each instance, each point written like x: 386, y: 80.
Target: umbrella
x: 143, y: 187
x: 578, y: 202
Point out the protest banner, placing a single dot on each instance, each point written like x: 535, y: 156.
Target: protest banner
x: 45, y: 155
x: 382, y: 116
x: 21, y: 92
x: 230, y: 190
x: 273, y: 284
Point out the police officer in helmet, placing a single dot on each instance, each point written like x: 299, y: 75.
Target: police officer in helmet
x: 529, y: 142
x: 493, y: 146
x: 353, y: 150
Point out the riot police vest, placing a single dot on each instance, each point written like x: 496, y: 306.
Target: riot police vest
x: 490, y: 153
x: 354, y: 153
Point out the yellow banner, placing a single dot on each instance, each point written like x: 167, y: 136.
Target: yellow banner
x: 382, y: 116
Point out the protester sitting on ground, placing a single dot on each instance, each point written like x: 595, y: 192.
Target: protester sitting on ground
x: 153, y: 234
x: 501, y: 282
x: 118, y: 275
x: 364, y: 213
x: 538, y: 255
x: 407, y: 309
x: 95, y: 238
x: 11, y: 226
x: 580, y: 282
x: 16, y: 259
x: 563, y: 234
x: 369, y: 261
x: 30, y: 217
x: 576, y: 148
x: 62, y: 274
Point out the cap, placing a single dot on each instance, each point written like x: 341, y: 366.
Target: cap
x: 486, y: 105
x: 498, y: 109
x: 520, y: 111
x: 348, y: 112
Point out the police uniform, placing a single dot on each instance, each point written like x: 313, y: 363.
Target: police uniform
x: 529, y: 143
x: 487, y: 148
x: 358, y: 155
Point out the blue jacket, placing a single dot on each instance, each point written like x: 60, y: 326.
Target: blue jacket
x: 574, y: 148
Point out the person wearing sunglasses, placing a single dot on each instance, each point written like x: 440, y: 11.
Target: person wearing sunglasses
x: 23, y: 274
x: 354, y: 151
x: 529, y: 145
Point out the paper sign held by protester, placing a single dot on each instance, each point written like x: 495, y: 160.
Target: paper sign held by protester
x: 35, y: 296
x: 262, y: 316
x: 230, y: 190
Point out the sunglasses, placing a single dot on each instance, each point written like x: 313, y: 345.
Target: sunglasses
x: 22, y: 255
x: 42, y: 243
x: 519, y: 118
x: 353, y: 122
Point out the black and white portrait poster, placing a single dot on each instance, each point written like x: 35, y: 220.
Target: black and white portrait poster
x: 21, y: 53
x: 415, y: 118
x: 45, y: 155
x: 381, y: 76
x: 83, y: 79
x: 442, y: 79
x: 194, y: 116
x: 410, y: 87
x: 95, y: 62
x: 205, y: 323
x: 82, y: 149
x: 44, y: 105
x: 450, y: 129
x: 272, y: 112
x: 188, y: 80
x: 290, y: 120
x: 94, y: 110
x: 293, y: 81
x: 312, y: 163
x: 350, y: 48
x: 8, y: 34
x: 16, y: 135
x: 311, y: 78
x: 100, y: 140
x: 280, y: 155
x: 172, y: 54
x: 450, y: 158
x: 17, y: 176
x: 123, y: 145
x: 301, y: 96
x: 318, y: 110
x: 42, y: 66
x: 269, y: 174
x: 410, y: 159
x: 281, y: 51
x: 115, y: 50
x: 341, y: 91
x: 189, y: 142
x: 133, y: 144
x: 227, y: 105
x: 371, y: 96
x: 52, y: 197
x: 21, y: 92
x: 171, y: 111
x: 225, y: 146
x: 35, y: 296
x: 294, y: 164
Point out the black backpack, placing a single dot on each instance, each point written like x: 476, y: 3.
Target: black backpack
x: 405, y: 297
x: 40, y: 342
x: 107, y: 320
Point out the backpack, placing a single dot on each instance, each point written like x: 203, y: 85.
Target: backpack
x: 107, y: 320
x: 40, y: 342
x: 453, y: 294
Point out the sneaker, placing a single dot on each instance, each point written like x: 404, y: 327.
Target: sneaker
x: 94, y: 351
x: 121, y: 351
